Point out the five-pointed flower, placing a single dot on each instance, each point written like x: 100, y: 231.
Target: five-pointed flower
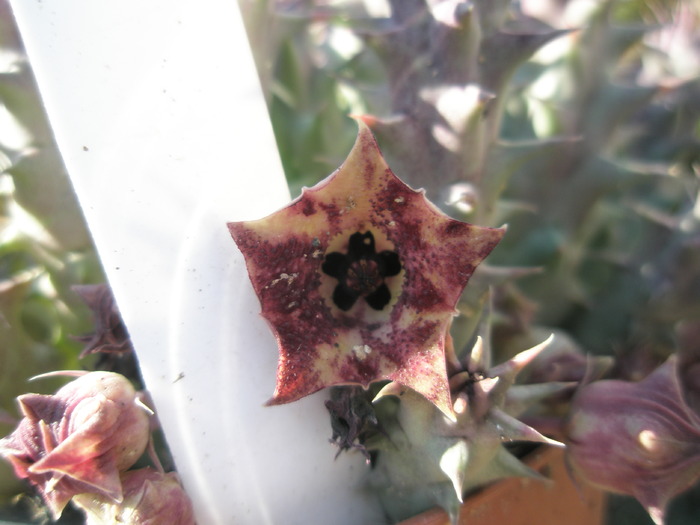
x: 359, y: 278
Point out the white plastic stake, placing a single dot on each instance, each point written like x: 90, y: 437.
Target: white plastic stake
x: 157, y: 111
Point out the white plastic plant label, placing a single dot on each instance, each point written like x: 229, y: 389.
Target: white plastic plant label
x: 161, y: 123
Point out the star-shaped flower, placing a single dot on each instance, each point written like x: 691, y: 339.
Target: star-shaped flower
x: 359, y: 278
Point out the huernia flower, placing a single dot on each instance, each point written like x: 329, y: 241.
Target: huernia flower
x: 79, y: 439
x: 359, y: 278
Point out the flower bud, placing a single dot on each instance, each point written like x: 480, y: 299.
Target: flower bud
x: 639, y: 439
x: 150, y: 498
x: 79, y: 439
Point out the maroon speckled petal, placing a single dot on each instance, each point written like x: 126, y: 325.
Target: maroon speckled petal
x: 320, y: 344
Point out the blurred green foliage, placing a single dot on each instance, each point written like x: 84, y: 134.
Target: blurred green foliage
x: 44, y: 249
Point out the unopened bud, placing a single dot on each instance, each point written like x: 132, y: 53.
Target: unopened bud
x: 79, y: 439
x: 639, y: 439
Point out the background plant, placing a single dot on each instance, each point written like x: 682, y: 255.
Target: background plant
x: 574, y: 122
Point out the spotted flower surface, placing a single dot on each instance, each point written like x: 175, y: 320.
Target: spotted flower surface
x: 359, y: 278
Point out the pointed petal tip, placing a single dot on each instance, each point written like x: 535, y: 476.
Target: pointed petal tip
x: 272, y: 402
x: 443, y: 403
x: 233, y: 229
x: 364, y: 121
x: 393, y: 388
x: 449, y: 413
x: 375, y: 124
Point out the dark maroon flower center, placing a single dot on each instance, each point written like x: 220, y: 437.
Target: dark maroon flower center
x: 363, y: 276
x: 361, y: 272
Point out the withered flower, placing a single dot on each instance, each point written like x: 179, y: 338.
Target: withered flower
x: 79, y: 439
x: 352, y: 418
x: 110, y: 335
x: 359, y: 278
x: 150, y: 498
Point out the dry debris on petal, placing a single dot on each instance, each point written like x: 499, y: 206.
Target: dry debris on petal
x: 359, y: 278
x: 352, y: 417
